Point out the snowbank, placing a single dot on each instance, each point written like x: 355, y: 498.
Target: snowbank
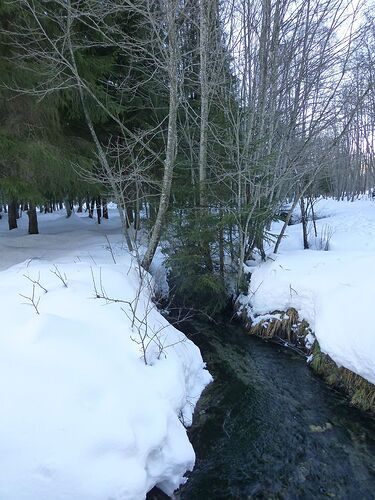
x: 333, y: 290
x: 83, y: 416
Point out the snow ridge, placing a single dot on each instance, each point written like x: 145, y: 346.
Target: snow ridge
x: 83, y: 417
x: 333, y: 290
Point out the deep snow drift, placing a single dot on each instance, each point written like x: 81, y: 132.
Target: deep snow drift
x: 82, y: 416
x: 333, y: 290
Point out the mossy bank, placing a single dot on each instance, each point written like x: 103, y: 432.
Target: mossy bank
x: 286, y: 328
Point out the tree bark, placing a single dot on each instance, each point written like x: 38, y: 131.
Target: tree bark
x: 204, y: 90
x: 99, y: 209
x: 33, y: 219
x: 105, y: 209
x: 12, y: 214
x: 304, y: 223
x: 170, y: 154
x: 68, y: 209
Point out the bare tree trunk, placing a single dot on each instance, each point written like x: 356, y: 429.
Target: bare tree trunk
x: 88, y: 208
x: 99, y: 209
x: 304, y: 223
x: 221, y: 252
x: 33, y: 219
x: 204, y: 91
x: 12, y: 214
x: 68, y: 208
x: 204, y: 23
x: 286, y: 222
x: 105, y: 209
x: 170, y: 156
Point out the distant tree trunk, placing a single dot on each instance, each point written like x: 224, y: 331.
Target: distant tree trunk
x: 313, y: 216
x: 79, y: 210
x: 88, y: 208
x: 33, y: 219
x: 304, y: 224
x: 105, y: 208
x: 205, y: 7
x: 137, y: 219
x: 204, y: 91
x: 98, y: 209
x: 231, y: 246
x: 129, y: 216
x: 286, y: 222
x: 92, y: 208
x: 12, y: 214
x: 68, y: 209
x: 221, y: 252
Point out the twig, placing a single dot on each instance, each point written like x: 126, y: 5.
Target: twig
x: 61, y: 277
x: 110, y: 249
x: 36, y: 282
x: 32, y: 300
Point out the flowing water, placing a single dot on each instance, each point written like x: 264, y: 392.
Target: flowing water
x: 269, y: 428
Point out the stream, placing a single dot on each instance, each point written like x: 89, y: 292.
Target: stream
x: 268, y: 427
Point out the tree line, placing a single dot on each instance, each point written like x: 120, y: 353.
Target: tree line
x: 199, y: 118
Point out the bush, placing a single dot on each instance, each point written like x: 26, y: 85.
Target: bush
x: 196, y: 286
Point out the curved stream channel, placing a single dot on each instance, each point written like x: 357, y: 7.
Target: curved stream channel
x: 269, y: 428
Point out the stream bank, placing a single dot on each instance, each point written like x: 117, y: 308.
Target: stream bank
x: 287, y: 329
x: 269, y: 428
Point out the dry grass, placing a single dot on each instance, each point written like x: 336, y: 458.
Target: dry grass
x: 359, y: 390
x: 289, y: 329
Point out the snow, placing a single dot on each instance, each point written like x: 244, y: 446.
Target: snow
x: 333, y: 290
x: 82, y: 415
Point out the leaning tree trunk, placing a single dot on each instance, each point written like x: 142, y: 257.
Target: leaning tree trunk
x: 12, y: 214
x: 170, y: 154
x: 33, y: 219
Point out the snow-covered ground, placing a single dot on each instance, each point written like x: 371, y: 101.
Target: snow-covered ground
x: 333, y: 290
x: 82, y: 416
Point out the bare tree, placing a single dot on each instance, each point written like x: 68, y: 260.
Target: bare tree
x: 291, y: 60
x: 53, y: 47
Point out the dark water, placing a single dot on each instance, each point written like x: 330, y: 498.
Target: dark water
x: 269, y: 428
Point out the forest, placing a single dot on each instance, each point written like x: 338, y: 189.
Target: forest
x: 187, y: 249
x: 201, y: 120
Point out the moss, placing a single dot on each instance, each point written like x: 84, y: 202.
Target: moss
x: 287, y: 327
x: 360, y: 391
